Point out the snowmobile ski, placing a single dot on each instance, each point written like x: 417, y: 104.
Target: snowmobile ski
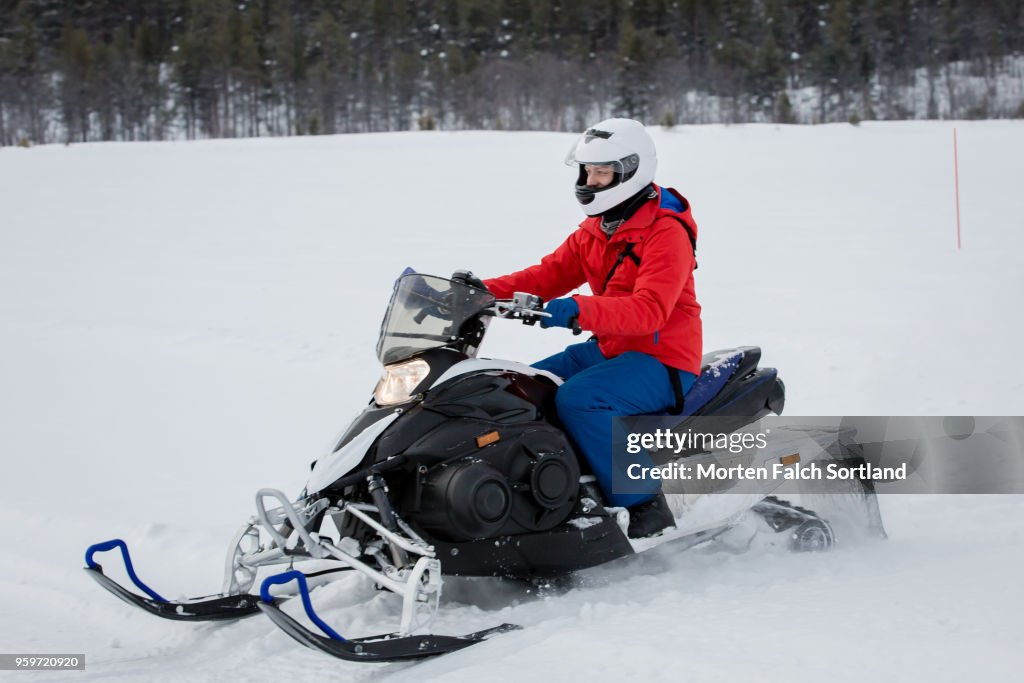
x: 383, y: 648
x: 207, y: 608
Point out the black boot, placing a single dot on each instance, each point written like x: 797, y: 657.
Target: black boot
x: 650, y: 518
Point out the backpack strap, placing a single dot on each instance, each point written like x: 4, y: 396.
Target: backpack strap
x: 677, y: 390
x: 627, y: 252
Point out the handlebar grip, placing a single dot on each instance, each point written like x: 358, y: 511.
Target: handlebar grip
x: 575, y: 325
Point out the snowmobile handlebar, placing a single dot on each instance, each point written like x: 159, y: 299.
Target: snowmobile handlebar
x: 526, y: 307
x: 529, y: 308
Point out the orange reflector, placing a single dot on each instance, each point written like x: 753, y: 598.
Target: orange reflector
x: 790, y: 459
x: 487, y: 439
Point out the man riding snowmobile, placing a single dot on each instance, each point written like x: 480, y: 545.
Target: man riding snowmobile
x: 636, y: 251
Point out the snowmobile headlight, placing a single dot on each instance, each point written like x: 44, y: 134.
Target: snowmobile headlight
x: 399, y: 380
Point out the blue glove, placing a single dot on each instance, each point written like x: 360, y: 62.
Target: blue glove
x: 563, y: 313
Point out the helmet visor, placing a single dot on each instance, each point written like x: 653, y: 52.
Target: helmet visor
x: 622, y: 168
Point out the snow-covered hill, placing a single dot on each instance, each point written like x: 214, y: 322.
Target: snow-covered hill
x: 184, y: 323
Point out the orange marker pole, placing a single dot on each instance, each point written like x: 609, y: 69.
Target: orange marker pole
x: 956, y: 180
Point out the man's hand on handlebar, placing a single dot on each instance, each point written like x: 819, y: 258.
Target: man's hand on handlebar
x: 562, y: 313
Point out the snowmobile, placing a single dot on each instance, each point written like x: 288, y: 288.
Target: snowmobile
x: 458, y: 466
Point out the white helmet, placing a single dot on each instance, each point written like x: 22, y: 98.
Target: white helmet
x: 622, y: 144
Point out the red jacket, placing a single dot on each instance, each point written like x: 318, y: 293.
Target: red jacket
x: 650, y: 307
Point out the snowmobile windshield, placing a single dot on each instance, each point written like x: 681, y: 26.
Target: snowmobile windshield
x: 427, y: 312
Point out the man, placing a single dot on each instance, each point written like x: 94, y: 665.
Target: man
x: 636, y: 251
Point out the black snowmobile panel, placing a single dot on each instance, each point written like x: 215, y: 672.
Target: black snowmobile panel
x: 583, y: 542
x: 491, y: 398
x: 523, y: 480
x: 777, y: 396
x: 488, y: 395
x: 401, y: 434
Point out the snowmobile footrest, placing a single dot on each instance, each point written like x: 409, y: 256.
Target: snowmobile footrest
x: 209, y: 608
x: 384, y: 648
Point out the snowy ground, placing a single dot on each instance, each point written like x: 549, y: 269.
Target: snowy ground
x: 182, y: 324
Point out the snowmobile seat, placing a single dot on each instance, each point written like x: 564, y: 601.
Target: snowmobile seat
x: 717, y: 368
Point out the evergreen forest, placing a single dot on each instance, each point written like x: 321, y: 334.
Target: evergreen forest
x: 84, y: 70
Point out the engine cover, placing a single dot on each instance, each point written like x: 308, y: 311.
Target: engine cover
x: 473, y: 495
x: 489, y: 463
x: 526, y: 481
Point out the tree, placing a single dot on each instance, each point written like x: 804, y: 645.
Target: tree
x: 75, y: 59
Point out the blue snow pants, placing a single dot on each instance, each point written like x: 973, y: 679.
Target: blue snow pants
x: 596, y: 389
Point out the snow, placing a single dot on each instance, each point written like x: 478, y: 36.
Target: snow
x: 183, y: 324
